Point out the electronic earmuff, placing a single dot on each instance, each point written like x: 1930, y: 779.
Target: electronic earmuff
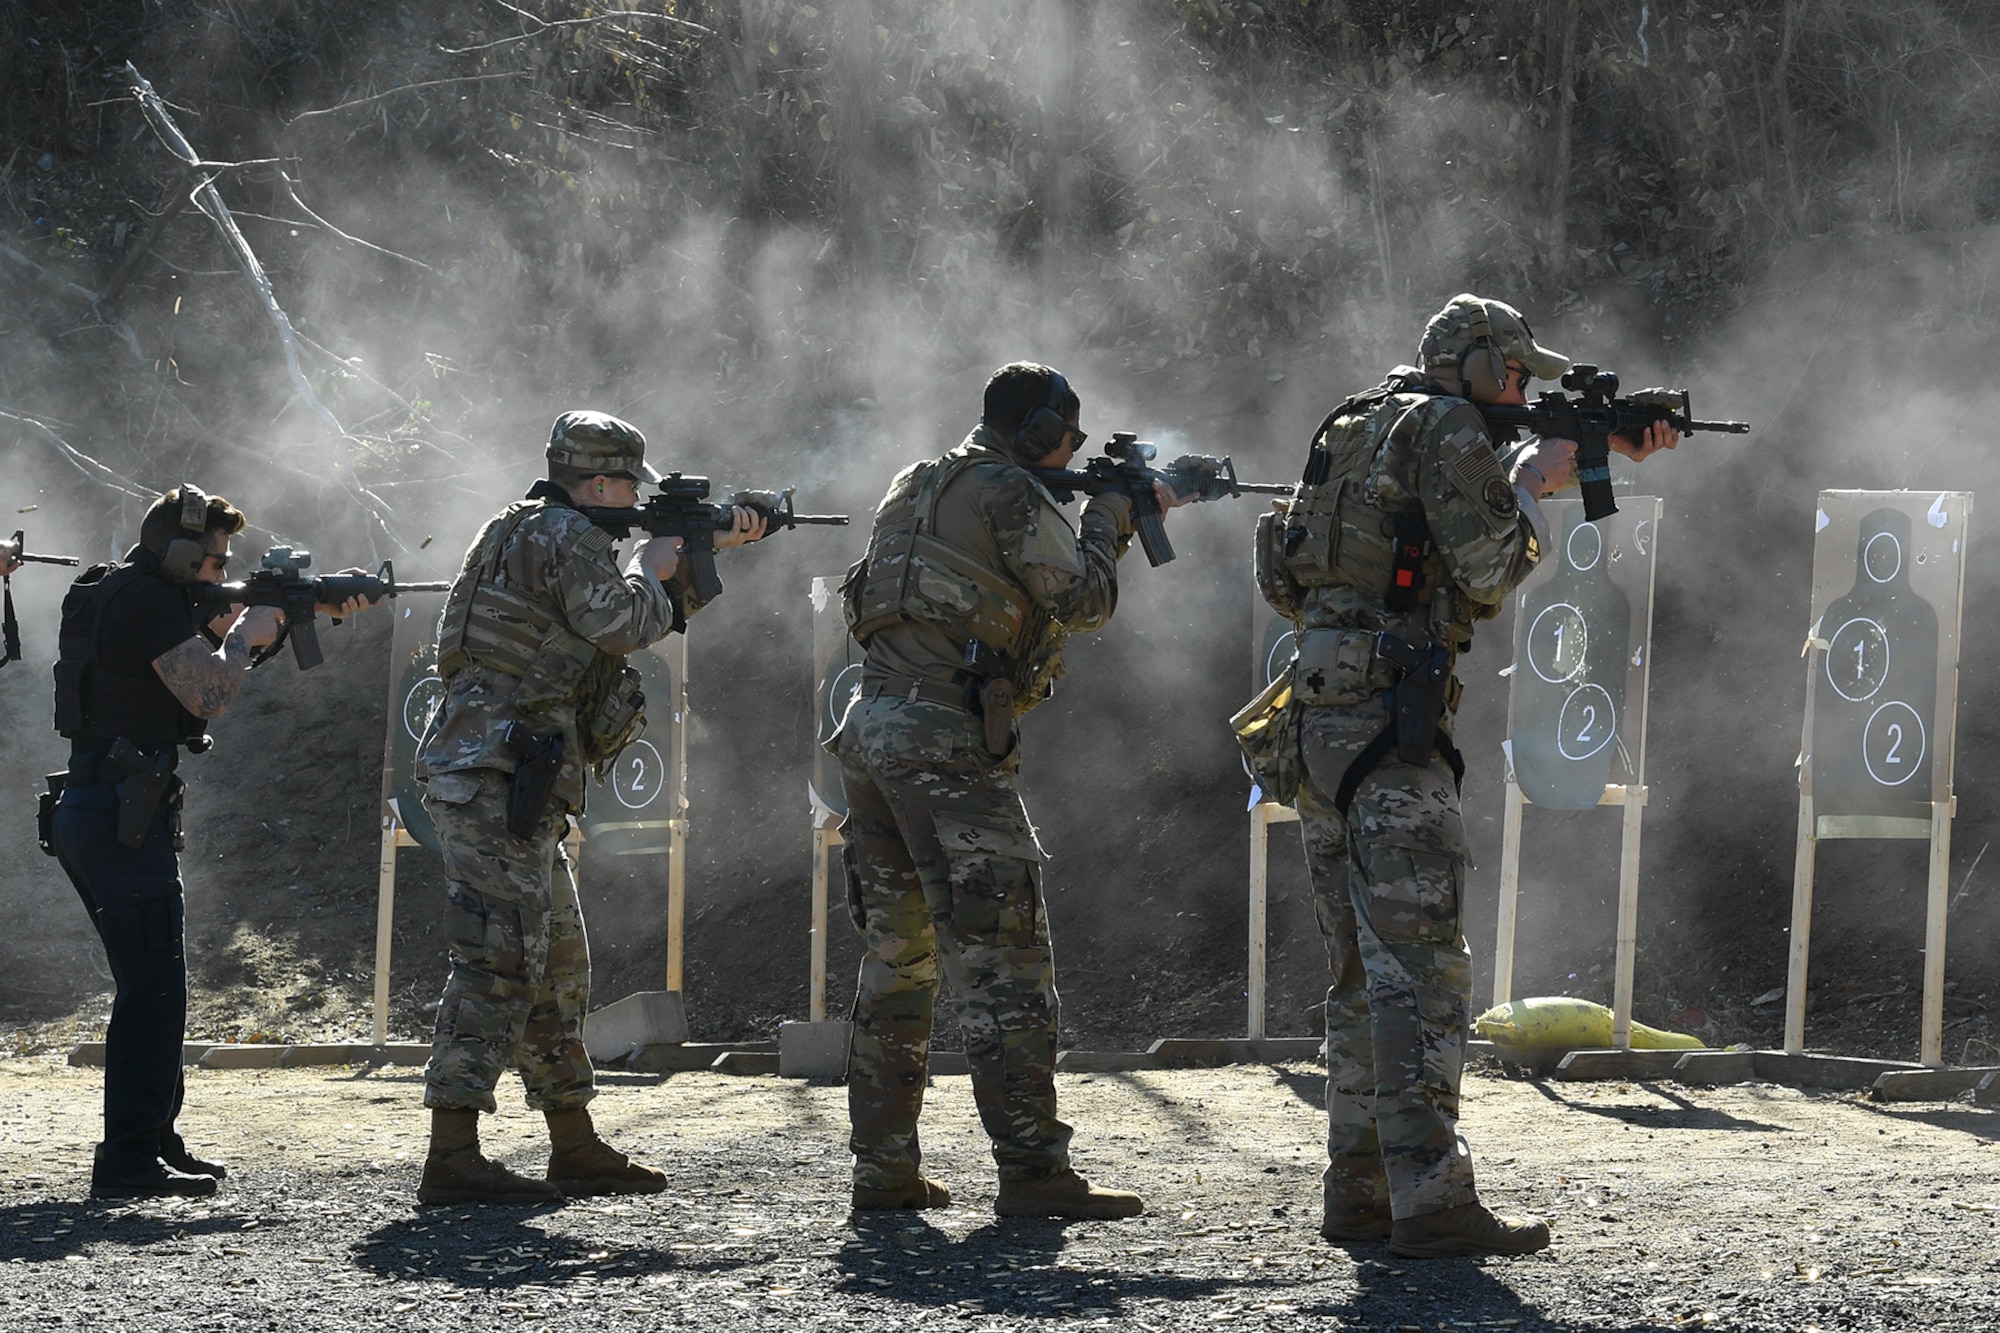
x: 181, y: 561
x: 1482, y: 370
x: 1041, y: 431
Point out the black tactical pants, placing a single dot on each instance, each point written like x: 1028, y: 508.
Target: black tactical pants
x: 134, y: 901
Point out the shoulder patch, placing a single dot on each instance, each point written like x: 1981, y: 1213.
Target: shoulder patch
x: 1500, y: 501
x: 595, y: 539
x: 1476, y: 467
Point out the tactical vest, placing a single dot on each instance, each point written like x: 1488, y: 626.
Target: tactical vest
x: 910, y: 573
x: 485, y: 623
x: 91, y: 704
x: 1335, y: 530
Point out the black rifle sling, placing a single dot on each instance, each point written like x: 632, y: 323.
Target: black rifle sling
x: 1371, y: 755
x: 10, y: 628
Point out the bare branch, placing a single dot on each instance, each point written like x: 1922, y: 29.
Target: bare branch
x: 543, y: 25
x: 401, y: 88
x: 209, y: 200
x: 292, y: 190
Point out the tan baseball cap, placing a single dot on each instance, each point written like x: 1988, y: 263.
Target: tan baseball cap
x: 1467, y: 320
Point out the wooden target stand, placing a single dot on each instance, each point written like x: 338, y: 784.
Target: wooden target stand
x: 836, y: 676
x: 1577, y: 703
x: 412, y: 693
x: 1881, y: 707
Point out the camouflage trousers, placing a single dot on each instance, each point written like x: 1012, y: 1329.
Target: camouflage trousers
x: 1388, y: 885
x: 520, y: 965
x: 944, y: 877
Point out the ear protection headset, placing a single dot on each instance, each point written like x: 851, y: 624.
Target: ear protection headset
x: 182, y: 559
x: 1482, y: 370
x: 1041, y: 432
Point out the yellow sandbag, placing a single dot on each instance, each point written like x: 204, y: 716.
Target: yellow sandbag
x: 1556, y: 1023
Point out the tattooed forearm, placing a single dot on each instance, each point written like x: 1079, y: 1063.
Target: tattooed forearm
x: 205, y: 682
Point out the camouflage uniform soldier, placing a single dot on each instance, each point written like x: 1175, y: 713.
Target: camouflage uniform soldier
x: 972, y: 580
x: 1410, y: 525
x: 531, y: 648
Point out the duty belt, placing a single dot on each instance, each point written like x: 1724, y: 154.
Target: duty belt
x: 91, y: 766
x: 913, y: 689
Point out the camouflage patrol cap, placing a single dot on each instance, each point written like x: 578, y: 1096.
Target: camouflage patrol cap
x: 1466, y: 319
x: 598, y: 443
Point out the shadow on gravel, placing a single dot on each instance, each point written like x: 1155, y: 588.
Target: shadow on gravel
x: 1308, y: 1085
x: 1001, y: 1268
x: 1978, y: 1122
x: 1438, y: 1293
x: 1680, y: 1114
x: 498, y: 1249
x: 58, y: 1228
x: 1192, y: 1116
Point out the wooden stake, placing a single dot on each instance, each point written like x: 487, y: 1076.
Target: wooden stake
x: 1931, y: 1047
x: 1628, y: 919
x: 1802, y: 895
x: 1510, y: 892
x: 824, y: 841
x: 677, y: 827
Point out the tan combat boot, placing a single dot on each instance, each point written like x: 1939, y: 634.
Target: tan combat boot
x: 456, y: 1172
x: 580, y: 1163
x: 1355, y: 1228
x: 1467, y: 1229
x: 918, y: 1192
x: 1065, y: 1194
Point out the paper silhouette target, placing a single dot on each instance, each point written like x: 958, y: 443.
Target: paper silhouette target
x: 418, y: 693
x: 836, y: 681
x: 838, y: 686
x: 1886, y: 674
x: 1578, y: 657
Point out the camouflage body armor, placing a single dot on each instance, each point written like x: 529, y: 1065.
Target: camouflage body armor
x: 911, y: 573
x: 489, y: 625
x: 1352, y: 560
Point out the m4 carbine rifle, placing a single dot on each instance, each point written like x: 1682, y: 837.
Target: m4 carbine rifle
x: 281, y: 581
x: 12, y: 548
x: 1593, y: 417
x: 682, y: 509
x: 1124, y: 469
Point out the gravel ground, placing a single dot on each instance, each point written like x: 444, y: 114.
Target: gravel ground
x: 1752, y: 1207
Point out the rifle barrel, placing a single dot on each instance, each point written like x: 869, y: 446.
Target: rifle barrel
x: 1263, y: 488
x: 1725, y: 427
x: 27, y: 559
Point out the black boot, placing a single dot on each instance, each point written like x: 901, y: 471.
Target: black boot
x: 174, y: 1152
x: 149, y: 1180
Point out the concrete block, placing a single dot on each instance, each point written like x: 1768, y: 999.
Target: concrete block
x: 1102, y: 1062
x: 746, y: 1062
x: 91, y: 1053
x: 1838, y: 1073
x: 1205, y: 1053
x: 813, y: 1050
x: 1716, y: 1067
x: 681, y: 1057
x: 644, y: 1018
x: 246, y: 1055
x: 1927, y: 1085
x: 1988, y: 1091
x: 1581, y: 1065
